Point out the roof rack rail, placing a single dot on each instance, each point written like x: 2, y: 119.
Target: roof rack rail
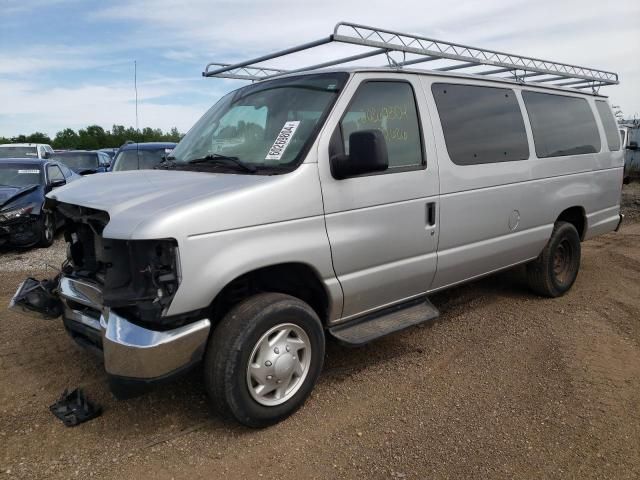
x: 383, y: 42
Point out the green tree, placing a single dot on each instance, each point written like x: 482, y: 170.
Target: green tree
x: 38, y: 137
x: 65, y: 139
x: 94, y: 137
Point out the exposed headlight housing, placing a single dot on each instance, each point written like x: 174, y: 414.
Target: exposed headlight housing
x: 141, y: 277
x: 15, y: 213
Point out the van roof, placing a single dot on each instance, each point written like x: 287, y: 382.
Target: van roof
x: 434, y: 73
x: 402, y: 50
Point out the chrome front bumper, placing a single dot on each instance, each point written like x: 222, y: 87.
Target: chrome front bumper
x: 129, y: 350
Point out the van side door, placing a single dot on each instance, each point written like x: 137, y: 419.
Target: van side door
x: 489, y: 206
x: 382, y: 227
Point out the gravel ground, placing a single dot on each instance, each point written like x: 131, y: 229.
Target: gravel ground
x: 34, y: 259
x: 503, y: 385
x: 631, y: 201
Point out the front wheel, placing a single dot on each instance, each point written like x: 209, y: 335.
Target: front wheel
x: 264, y: 358
x: 552, y: 274
x: 47, y: 229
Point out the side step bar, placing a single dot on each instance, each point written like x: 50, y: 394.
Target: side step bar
x: 379, y: 324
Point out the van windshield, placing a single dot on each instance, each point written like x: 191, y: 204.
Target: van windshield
x: 265, y: 126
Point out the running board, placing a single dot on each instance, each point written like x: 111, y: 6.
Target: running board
x: 379, y: 324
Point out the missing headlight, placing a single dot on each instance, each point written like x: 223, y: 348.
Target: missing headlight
x: 141, y: 276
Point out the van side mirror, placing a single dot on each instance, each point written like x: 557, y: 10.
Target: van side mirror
x: 367, y: 154
x: 632, y: 146
x: 58, y: 182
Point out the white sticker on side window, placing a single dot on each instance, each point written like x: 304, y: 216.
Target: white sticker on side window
x: 28, y: 171
x: 282, y: 140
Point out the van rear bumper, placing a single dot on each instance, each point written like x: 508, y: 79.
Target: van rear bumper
x: 131, y: 353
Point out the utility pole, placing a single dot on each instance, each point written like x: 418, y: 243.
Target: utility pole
x: 135, y: 87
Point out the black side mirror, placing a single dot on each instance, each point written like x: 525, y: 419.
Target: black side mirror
x: 367, y: 154
x: 47, y: 155
x: 632, y: 146
x: 58, y: 182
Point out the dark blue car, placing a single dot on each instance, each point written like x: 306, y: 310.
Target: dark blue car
x: 84, y: 162
x: 141, y: 156
x: 23, y: 186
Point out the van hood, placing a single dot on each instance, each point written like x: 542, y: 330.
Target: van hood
x: 169, y: 203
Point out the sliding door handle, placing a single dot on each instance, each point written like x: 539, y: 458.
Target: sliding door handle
x: 431, y: 213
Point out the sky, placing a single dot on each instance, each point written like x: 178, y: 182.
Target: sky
x: 70, y: 63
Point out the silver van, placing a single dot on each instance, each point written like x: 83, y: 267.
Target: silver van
x: 316, y: 203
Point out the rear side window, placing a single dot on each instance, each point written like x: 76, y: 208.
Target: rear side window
x: 609, y: 124
x: 561, y: 125
x: 391, y: 108
x: 481, y: 124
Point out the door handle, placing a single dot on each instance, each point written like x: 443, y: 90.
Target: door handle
x: 431, y: 213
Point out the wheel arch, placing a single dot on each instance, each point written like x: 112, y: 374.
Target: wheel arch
x: 576, y: 216
x: 297, y: 279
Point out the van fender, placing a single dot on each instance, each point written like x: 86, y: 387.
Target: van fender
x: 211, y: 261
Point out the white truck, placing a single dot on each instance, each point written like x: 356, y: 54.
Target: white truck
x: 25, y: 150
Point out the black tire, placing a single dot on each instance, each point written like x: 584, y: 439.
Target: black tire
x: 47, y: 229
x: 232, y: 343
x: 555, y: 270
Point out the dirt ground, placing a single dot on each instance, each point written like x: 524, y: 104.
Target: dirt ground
x: 503, y: 385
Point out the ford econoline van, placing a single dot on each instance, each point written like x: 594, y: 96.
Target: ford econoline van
x: 316, y: 203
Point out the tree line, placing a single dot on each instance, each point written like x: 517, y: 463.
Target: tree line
x: 94, y: 137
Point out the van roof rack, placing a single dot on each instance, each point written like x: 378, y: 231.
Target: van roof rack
x: 422, y: 49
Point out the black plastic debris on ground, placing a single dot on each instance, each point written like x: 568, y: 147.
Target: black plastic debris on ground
x: 75, y: 408
x: 38, y: 298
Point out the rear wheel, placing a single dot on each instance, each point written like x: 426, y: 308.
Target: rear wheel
x: 47, y: 230
x: 555, y: 270
x: 264, y: 358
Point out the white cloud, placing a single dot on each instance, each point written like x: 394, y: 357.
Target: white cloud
x: 180, y: 55
x: 46, y: 58
x: 32, y: 108
x: 193, y: 33
x: 21, y: 6
x: 587, y: 32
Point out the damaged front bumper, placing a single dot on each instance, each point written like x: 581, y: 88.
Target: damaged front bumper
x: 22, y: 232
x: 134, y: 356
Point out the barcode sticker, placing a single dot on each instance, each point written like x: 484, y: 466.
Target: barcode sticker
x: 282, y: 140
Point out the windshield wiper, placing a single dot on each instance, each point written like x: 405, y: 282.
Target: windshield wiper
x: 224, y: 159
x: 167, y: 162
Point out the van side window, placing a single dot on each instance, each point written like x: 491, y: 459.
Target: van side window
x: 609, y: 124
x: 561, y: 125
x: 481, y: 124
x: 391, y: 108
